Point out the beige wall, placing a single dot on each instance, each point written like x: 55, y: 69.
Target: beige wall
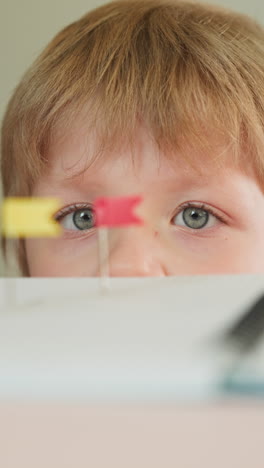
x: 27, y: 25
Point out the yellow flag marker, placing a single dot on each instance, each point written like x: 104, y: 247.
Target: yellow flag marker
x: 30, y: 217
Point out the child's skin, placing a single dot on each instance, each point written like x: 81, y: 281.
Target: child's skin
x: 230, y: 241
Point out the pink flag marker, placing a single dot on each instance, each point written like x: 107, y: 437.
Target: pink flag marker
x: 114, y: 212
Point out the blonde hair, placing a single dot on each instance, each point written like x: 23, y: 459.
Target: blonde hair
x: 178, y: 66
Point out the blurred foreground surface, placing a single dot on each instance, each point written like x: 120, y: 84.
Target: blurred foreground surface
x: 121, y: 379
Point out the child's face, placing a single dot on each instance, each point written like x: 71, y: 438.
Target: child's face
x: 194, y: 224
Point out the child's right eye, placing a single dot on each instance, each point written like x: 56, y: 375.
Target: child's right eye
x: 74, y: 218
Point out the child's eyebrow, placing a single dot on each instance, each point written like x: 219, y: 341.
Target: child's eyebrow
x: 93, y: 178
x: 85, y: 184
x: 96, y: 181
x: 81, y: 185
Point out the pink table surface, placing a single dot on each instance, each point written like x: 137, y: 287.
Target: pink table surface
x: 224, y: 435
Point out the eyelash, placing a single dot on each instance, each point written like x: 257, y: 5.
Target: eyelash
x: 201, y: 206
x: 70, y: 209
x: 79, y: 206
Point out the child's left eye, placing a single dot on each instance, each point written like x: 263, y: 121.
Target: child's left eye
x: 195, y: 217
x: 77, y: 219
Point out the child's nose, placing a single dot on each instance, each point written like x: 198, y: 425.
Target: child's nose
x: 135, y: 252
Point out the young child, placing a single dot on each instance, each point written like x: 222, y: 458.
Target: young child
x: 158, y: 98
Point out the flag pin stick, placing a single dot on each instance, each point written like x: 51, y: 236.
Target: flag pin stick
x: 10, y: 301
x: 10, y: 290
x: 103, y: 247
x: 112, y: 212
x: 11, y: 296
x: 9, y: 285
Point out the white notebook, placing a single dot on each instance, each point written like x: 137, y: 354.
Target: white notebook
x: 143, y: 340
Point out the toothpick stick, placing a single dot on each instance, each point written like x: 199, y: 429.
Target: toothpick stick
x: 103, y: 248
x: 10, y: 292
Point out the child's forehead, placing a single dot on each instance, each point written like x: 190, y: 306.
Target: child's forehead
x: 78, y: 148
x: 71, y: 153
